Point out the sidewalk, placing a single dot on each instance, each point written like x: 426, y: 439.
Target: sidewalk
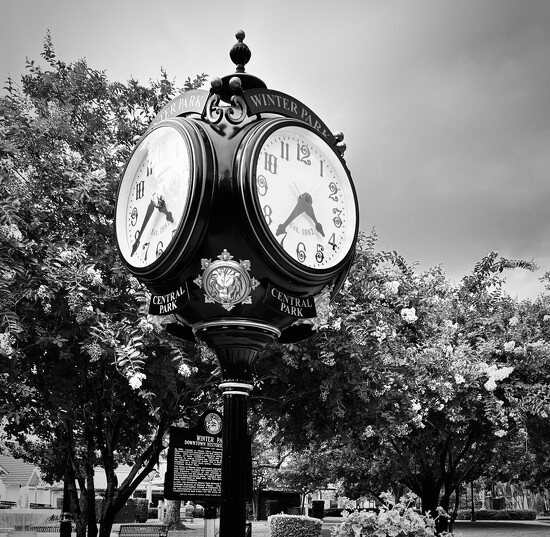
x: 462, y: 528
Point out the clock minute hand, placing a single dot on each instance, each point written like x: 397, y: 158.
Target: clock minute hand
x: 311, y: 213
x: 148, y: 214
x: 298, y: 210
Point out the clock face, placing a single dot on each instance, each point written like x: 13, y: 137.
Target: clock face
x: 153, y: 196
x: 305, y: 197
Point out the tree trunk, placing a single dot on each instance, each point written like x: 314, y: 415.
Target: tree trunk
x: 430, y: 503
x: 442, y: 522
x: 172, y: 515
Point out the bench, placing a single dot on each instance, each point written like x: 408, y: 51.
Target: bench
x: 143, y: 530
x: 7, y: 505
x: 48, y: 528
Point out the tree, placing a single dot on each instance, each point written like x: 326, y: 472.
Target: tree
x: 92, y: 378
x: 410, y: 373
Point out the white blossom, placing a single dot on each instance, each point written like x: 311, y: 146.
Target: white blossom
x: 392, y: 287
x: 184, y: 370
x: 5, y: 343
x: 509, y: 346
x: 369, y: 431
x: 500, y: 433
x: 94, y: 276
x: 12, y: 232
x: 136, y: 380
x: 502, y: 373
x: 513, y: 321
x: 409, y: 315
x: 495, y: 374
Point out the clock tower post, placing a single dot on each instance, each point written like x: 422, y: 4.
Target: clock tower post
x: 238, y: 212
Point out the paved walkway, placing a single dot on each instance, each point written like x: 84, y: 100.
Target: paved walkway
x: 462, y: 528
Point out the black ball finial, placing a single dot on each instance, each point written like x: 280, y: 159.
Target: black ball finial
x: 240, y: 53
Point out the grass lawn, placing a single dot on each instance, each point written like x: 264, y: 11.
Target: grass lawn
x: 487, y: 528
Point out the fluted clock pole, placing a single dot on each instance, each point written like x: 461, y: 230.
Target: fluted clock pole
x: 237, y: 343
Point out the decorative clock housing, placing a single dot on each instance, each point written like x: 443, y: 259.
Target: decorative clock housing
x: 160, y: 196
x: 298, y: 197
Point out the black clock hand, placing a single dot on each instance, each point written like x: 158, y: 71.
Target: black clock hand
x: 148, y: 214
x: 298, y: 210
x: 160, y: 204
x: 309, y: 211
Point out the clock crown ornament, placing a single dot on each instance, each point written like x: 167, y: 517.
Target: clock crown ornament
x: 240, y: 53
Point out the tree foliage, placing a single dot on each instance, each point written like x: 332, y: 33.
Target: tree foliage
x: 88, y: 378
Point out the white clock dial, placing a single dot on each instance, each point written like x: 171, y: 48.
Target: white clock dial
x: 153, y: 196
x: 305, y: 196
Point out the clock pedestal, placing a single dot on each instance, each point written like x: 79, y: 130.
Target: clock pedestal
x: 237, y: 343
x: 243, y: 233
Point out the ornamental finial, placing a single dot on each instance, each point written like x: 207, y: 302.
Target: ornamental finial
x: 240, y: 53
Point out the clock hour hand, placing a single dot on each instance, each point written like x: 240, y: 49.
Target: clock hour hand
x: 148, y: 214
x: 310, y: 212
x: 298, y: 210
x: 160, y: 204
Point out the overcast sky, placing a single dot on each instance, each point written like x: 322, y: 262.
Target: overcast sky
x: 445, y: 104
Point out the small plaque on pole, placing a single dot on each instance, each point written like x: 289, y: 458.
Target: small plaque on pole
x: 194, y: 470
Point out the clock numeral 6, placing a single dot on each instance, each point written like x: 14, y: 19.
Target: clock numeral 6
x: 160, y: 248
x: 268, y: 211
x: 261, y: 183
x: 301, y: 252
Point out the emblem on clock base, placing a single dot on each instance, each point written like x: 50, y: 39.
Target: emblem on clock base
x: 226, y: 282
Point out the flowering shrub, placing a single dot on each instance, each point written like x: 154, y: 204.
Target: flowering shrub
x: 393, y: 520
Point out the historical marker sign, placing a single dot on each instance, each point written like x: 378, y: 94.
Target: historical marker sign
x: 195, y: 461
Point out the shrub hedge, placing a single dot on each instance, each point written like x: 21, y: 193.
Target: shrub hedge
x: 498, y: 514
x: 294, y: 526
